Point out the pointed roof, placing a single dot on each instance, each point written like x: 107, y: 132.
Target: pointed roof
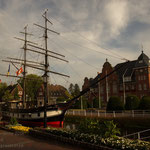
x: 143, y: 60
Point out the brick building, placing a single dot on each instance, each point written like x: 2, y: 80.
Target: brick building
x: 55, y: 91
x: 133, y: 77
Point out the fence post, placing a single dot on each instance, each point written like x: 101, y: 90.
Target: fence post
x: 105, y: 113
x: 73, y: 112
x: 114, y: 115
x: 98, y: 113
x: 138, y: 135
x: 85, y: 112
x: 132, y: 113
x: 143, y: 113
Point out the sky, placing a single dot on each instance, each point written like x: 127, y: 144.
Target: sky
x: 90, y: 31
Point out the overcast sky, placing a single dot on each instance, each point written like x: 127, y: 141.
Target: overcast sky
x: 90, y: 31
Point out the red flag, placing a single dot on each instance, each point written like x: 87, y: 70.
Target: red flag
x: 19, y: 71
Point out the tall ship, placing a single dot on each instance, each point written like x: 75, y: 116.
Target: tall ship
x: 47, y: 115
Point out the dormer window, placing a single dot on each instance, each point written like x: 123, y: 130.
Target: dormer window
x: 140, y: 61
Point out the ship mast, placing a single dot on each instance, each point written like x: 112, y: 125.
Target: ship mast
x: 46, y: 70
x: 45, y: 74
x: 24, y: 73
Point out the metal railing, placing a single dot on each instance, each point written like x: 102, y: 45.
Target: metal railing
x: 113, y: 114
x: 141, y: 135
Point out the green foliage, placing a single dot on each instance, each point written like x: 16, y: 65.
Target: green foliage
x: 3, y: 87
x: 32, y: 85
x: 74, y: 90
x: 84, y: 102
x: 76, y: 105
x: 13, y: 121
x: 109, y: 129
x: 115, y: 103
x: 93, y: 126
x: 145, y: 103
x: 132, y: 102
x: 16, y: 96
x: 7, y: 96
x: 95, y: 140
x: 95, y: 103
x: 60, y: 99
x: 68, y: 95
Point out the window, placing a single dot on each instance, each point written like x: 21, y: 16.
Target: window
x: 102, y: 89
x: 121, y: 87
x: 145, y: 87
x: 127, y: 87
x: 144, y: 77
x: 126, y: 79
x: 140, y: 87
x: 141, y: 70
x: 109, y: 89
x: 139, y: 78
x: 20, y: 92
x: 114, y: 88
x: 141, y: 61
x: 132, y: 87
x: 40, y: 93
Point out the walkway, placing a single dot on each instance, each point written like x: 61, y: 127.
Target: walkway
x: 11, y: 141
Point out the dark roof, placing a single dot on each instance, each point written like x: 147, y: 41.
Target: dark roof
x: 143, y: 60
x: 11, y: 87
x: 128, y: 67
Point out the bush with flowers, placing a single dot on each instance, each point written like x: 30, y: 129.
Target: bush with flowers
x: 113, y: 142
x: 20, y: 128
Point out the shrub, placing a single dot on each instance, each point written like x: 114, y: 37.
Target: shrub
x: 13, y: 121
x: 109, y: 129
x: 145, y: 103
x: 103, y: 129
x: 115, y: 103
x: 132, y: 102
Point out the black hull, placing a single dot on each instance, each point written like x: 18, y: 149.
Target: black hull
x: 35, y: 117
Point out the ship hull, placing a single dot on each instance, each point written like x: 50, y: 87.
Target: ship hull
x: 35, y: 117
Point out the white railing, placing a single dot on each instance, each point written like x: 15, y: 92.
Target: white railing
x: 114, y: 114
x: 141, y: 135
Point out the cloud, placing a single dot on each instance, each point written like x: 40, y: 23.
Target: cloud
x: 88, y: 29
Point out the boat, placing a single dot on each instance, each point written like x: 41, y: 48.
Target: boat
x: 47, y: 115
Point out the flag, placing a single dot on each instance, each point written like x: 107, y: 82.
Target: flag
x: 19, y: 71
x: 8, y: 70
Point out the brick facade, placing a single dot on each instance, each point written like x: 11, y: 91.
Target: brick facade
x: 132, y: 78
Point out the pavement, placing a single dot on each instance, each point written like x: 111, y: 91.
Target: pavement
x: 19, y: 141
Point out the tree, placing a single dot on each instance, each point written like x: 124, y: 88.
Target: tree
x: 95, y: 103
x: 115, y: 103
x: 132, y: 102
x: 3, y: 87
x: 145, y: 103
x: 61, y: 99
x: 16, y: 96
x: 76, y: 90
x: 71, y: 89
x: 7, y: 96
x: 33, y: 83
